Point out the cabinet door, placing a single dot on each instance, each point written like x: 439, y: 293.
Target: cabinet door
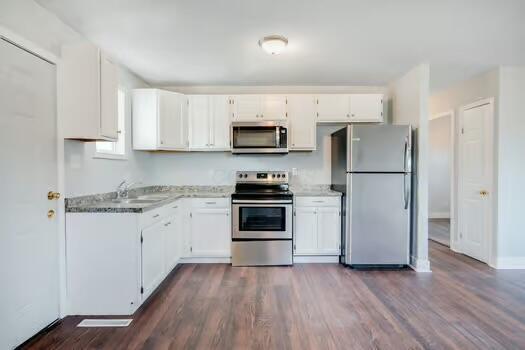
x: 153, y: 269
x: 199, y: 120
x: 333, y: 108
x: 305, y: 234
x: 108, y: 99
x: 182, y: 123
x: 328, y: 230
x: 273, y: 107
x: 366, y: 107
x: 172, y: 243
x: 302, y: 123
x: 246, y: 108
x: 169, y: 114
x: 220, y: 122
x: 210, y: 232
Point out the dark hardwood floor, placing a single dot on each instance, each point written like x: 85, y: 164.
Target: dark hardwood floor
x: 462, y: 304
x: 439, y: 231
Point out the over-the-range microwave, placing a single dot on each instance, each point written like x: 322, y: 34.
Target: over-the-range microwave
x: 259, y: 137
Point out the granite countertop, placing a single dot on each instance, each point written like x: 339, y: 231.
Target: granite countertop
x: 314, y: 191
x: 143, y: 198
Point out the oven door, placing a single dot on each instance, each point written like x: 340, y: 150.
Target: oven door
x: 262, y: 219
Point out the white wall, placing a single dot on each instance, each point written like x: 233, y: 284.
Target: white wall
x: 439, y: 162
x: 85, y: 174
x: 410, y: 95
x: 483, y: 86
x: 510, y: 245
x: 206, y: 168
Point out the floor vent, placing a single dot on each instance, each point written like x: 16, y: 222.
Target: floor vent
x: 105, y: 322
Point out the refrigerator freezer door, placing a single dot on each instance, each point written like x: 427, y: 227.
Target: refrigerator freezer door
x: 379, y: 148
x: 378, y: 222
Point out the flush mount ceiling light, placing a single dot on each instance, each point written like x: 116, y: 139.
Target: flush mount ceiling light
x: 273, y: 44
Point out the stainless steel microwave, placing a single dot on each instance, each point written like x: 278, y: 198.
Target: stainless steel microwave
x: 259, y: 137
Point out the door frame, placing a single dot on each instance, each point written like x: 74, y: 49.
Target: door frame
x: 452, y: 175
x: 490, y: 158
x: 46, y: 55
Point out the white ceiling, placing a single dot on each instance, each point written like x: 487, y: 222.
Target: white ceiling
x: 332, y: 42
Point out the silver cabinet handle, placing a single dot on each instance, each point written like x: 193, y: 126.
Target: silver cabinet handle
x: 156, y: 215
x: 168, y: 223
x: 318, y: 201
x: 175, y: 207
x: 211, y: 202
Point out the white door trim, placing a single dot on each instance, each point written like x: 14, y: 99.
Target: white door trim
x: 50, y: 57
x: 490, y: 158
x: 453, y: 159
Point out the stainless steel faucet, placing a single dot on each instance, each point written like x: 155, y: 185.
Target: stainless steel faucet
x: 124, y: 187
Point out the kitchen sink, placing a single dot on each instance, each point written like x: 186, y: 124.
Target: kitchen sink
x: 134, y: 201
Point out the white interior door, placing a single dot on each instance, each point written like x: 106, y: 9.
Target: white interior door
x: 28, y: 158
x: 475, y: 180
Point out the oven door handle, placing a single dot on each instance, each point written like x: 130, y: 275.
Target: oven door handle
x: 255, y: 201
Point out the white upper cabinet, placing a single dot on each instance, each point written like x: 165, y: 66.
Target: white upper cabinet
x: 302, y: 122
x: 160, y: 120
x: 209, y: 118
x: 273, y: 107
x: 258, y: 107
x: 349, y: 108
x: 333, y: 108
x: 366, y: 107
x: 87, y: 89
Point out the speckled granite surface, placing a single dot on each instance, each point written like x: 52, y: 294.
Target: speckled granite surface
x: 143, y: 199
x: 314, y: 191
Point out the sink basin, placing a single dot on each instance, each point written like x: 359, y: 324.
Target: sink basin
x: 134, y: 201
x: 157, y: 197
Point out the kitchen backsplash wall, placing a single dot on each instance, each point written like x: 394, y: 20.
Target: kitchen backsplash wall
x: 218, y: 168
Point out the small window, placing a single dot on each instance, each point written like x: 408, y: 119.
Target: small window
x: 116, y: 150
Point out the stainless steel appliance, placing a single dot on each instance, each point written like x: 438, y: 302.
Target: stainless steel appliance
x: 262, y: 214
x: 372, y: 166
x: 259, y: 137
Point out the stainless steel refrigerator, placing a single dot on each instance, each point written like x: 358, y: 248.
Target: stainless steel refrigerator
x: 372, y: 166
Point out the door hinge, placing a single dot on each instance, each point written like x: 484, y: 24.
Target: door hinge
x: 191, y: 215
x: 141, y: 239
x: 191, y: 249
x: 462, y: 130
x: 317, y: 101
x: 286, y: 101
x: 286, y: 114
x: 294, y: 213
x: 317, y: 114
x: 141, y: 290
x: 294, y: 247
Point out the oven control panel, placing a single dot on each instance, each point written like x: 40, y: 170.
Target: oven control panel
x: 280, y: 177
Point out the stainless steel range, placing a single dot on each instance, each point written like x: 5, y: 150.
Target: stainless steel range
x: 262, y: 214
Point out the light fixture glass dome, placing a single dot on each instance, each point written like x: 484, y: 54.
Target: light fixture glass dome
x: 273, y: 44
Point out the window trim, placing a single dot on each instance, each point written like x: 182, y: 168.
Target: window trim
x: 121, y: 109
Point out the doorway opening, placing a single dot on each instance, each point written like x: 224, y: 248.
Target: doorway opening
x: 441, y: 178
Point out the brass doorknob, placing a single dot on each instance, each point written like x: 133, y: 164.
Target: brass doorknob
x: 483, y: 193
x: 53, y: 195
x: 50, y: 213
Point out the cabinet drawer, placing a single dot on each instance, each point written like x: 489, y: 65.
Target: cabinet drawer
x: 150, y: 217
x: 317, y: 201
x: 211, y: 202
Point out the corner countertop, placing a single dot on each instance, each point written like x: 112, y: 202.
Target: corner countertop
x: 314, y: 191
x: 105, y: 202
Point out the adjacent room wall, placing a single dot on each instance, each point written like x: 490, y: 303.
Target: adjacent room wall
x: 410, y: 95
x: 510, y: 245
x: 439, y: 162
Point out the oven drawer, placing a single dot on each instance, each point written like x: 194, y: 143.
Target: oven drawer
x: 258, y: 253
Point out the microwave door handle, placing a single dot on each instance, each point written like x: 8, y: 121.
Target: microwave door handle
x: 277, y: 138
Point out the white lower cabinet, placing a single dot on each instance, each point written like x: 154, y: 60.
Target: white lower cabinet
x: 317, y: 226
x: 210, y: 228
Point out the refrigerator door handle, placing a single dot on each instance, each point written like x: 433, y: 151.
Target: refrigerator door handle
x: 406, y: 191
x: 405, y: 155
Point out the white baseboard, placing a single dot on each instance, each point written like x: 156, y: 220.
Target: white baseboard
x: 201, y: 260
x: 323, y: 259
x: 420, y: 265
x: 439, y: 215
x: 513, y: 263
